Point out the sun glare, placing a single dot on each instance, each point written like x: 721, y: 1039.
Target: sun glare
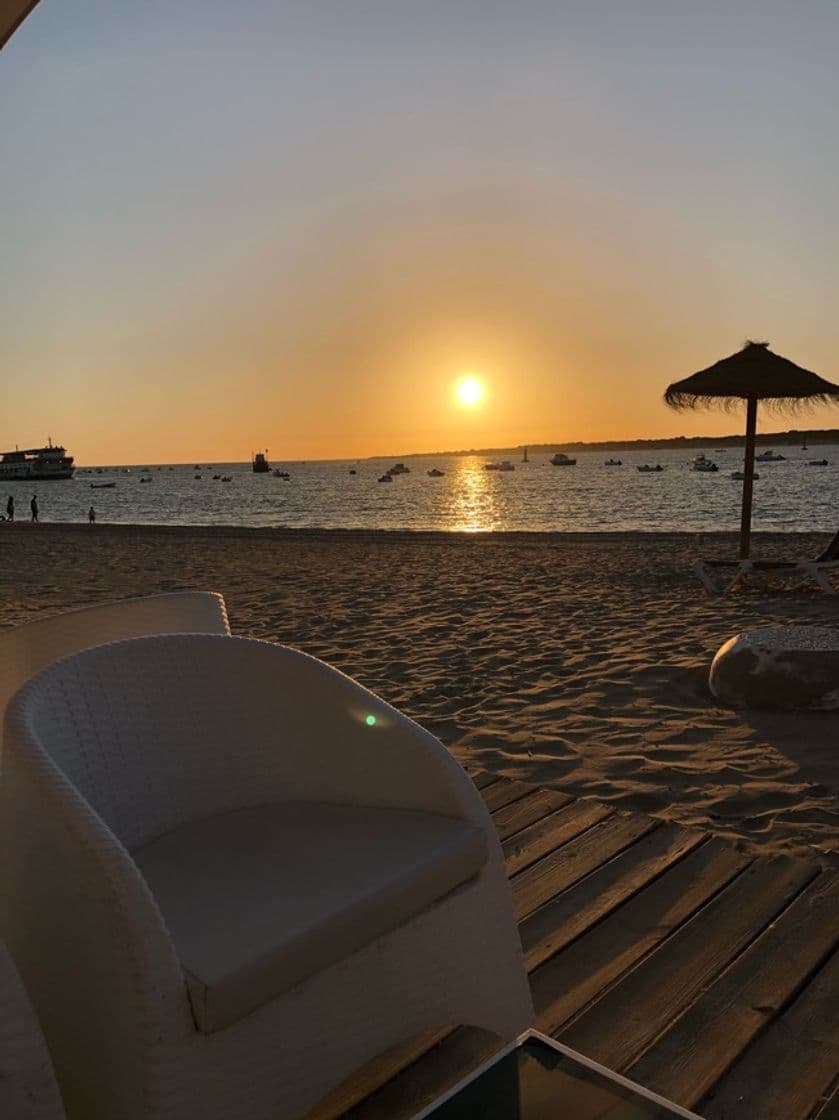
x: 470, y: 391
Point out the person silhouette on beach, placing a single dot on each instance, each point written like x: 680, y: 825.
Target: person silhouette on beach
x: 10, y: 509
x: 33, y: 505
x: 91, y: 515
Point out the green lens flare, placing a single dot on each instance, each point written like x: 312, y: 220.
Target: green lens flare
x: 370, y: 721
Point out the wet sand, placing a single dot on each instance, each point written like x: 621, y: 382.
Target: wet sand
x: 577, y: 661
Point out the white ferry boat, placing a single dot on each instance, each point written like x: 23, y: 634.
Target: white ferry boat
x: 35, y: 464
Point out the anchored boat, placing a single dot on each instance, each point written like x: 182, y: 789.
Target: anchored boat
x: 36, y: 464
x: 700, y: 463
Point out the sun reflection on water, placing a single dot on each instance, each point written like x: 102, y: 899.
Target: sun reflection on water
x: 471, y: 506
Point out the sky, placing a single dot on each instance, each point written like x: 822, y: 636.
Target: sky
x: 297, y: 224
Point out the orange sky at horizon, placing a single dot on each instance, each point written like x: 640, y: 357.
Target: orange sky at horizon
x: 297, y: 226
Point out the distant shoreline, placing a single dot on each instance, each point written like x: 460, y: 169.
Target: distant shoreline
x: 770, y: 439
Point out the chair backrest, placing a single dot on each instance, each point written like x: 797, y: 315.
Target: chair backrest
x: 155, y: 732
x: 26, y: 649
x: 831, y: 552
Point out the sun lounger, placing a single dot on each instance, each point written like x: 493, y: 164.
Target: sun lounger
x: 817, y: 568
x: 263, y: 876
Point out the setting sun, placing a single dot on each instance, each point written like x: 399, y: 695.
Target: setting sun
x: 470, y: 391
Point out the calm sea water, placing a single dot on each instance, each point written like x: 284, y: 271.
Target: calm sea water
x: 789, y: 496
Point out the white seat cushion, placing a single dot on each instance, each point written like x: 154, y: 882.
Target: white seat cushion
x: 258, y: 899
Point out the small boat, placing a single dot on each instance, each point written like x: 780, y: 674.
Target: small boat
x: 740, y: 475
x: 769, y: 456
x: 706, y: 466
x: 434, y: 473
x: 399, y: 468
x: 559, y: 459
x: 227, y: 478
x: 647, y: 469
x: 817, y: 463
x: 216, y: 477
x: 503, y: 465
x: 352, y: 471
x: 614, y: 463
x: 259, y: 463
x: 145, y: 480
x: 281, y: 474
x: 385, y: 478
x: 198, y: 478
x: 102, y: 485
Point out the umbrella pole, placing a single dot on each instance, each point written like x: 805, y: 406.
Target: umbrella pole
x: 748, y: 477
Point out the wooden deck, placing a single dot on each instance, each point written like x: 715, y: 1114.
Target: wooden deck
x: 704, y: 972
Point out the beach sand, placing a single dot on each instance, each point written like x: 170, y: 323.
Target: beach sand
x: 576, y: 661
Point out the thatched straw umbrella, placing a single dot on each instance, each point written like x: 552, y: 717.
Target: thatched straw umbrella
x: 752, y: 374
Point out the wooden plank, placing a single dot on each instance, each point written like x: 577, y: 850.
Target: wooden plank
x: 420, y: 1084
x: 829, y: 1109
x: 572, y: 978
x: 537, y: 804
x: 570, y: 914
x: 503, y: 792
x: 523, y: 849
x: 568, y: 864
x: 483, y: 778
x: 787, y: 1071
x: 694, y: 1054
x: 625, y: 1020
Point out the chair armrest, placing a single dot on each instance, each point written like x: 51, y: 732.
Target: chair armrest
x: 79, y: 919
x: 337, y: 741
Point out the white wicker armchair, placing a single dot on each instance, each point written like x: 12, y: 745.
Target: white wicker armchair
x: 233, y: 875
x: 26, y: 649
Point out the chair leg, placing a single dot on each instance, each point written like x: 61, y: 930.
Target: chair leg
x: 712, y: 588
x: 743, y: 569
x: 818, y: 574
x: 705, y: 579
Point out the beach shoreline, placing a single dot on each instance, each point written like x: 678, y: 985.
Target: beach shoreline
x: 576, y: 661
